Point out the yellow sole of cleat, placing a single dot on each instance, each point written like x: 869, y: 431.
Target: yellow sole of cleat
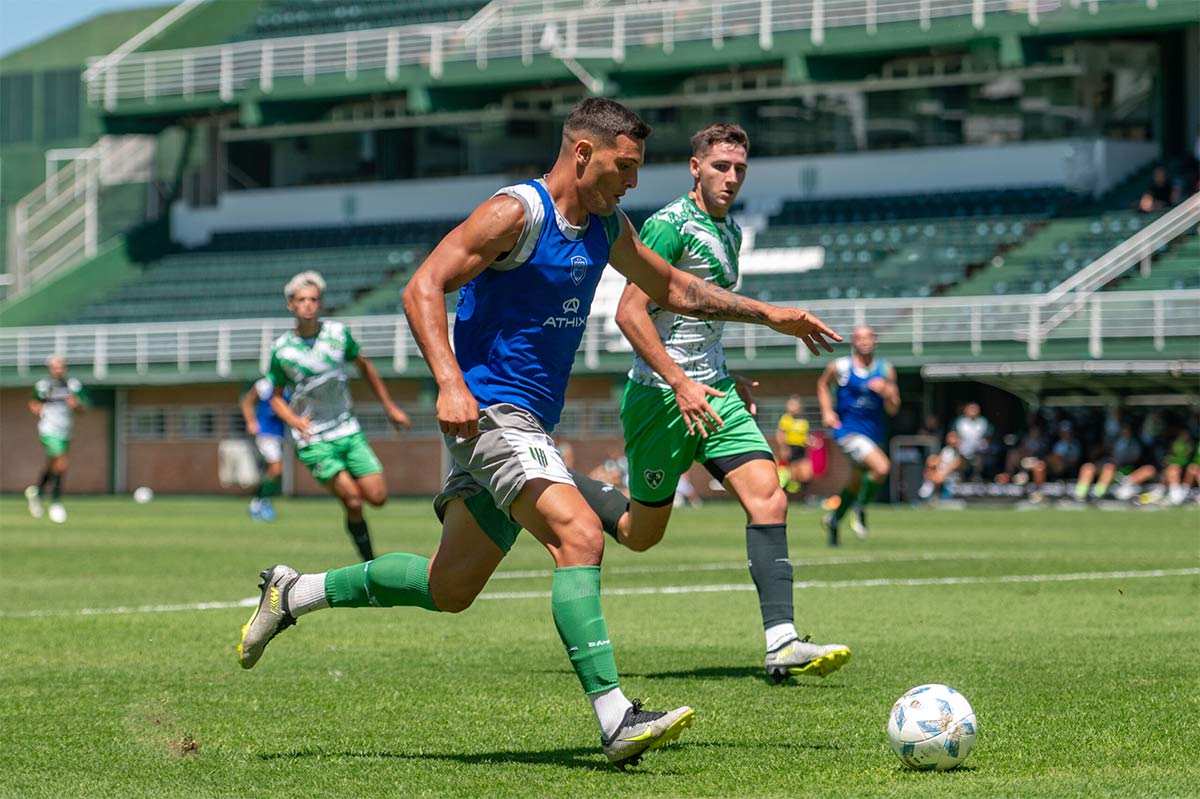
x: 674, y: 730
x: 824, y: 665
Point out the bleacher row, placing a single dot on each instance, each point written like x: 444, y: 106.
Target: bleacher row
x: 1001, y: 242
x: 280, y: 18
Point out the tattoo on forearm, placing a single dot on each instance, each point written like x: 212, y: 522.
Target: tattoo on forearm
x: 707, y: 301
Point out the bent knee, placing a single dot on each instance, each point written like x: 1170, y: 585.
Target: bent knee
x: 376, y: 500
x: 581, y: 544
x: 639, y: 540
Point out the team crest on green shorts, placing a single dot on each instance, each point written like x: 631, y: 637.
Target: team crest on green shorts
x: 653, y: 477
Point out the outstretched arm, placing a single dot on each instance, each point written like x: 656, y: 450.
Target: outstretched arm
x: 829, y: 417
x: 367, y: 369
x: 491, y: 231
x: 681, y: 292
x: 247, y: 406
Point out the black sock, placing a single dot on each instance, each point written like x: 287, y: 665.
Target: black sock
x: 767, y: 550
x: 362, y: 538
x: 57, y: 480
x: 46, y: 475
x: 604, y: 498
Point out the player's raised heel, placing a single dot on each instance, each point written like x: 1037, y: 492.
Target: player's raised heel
x: 801, y: 657
x: 643, y: 730
x: 270, y: 617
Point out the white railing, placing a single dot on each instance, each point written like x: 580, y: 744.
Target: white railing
x: 921, y: 326
x: 1062, y: 302
x: 57, y: 225
x: 141, y: 37
x: 575, y: 29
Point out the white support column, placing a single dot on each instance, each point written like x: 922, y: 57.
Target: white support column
x: 976, y: 329
x: 1034, y: 345
x: 60, y: 342
x: 400, y: 346
x: 189, y: 76
x: 766, y: 34
x: 668, y: 31
x: 224, y: 365
x: 802, y: 353
x: 226, y: 79
x: 872, y: 18
x: 391, y: 68
x: 618, y: 54
x: 918, y: 329
x: 100, y: 360
x: 309, y: 62
x: 717, y: 26
x: 264, y: 348
x: 1160, y: 327
x: 977, y: 13
x: 110, y: 87
x: 526, y: 45
x: 182, y: 357
x: 751, y: 345
x: 139, y: 352
x: 91, y: 216
x: 22, y: 354
x: 924, y: 14
x: 818, y: 22
x: 860, y: 314
x: 1095, y: 330
x: 266, y: 67
x: 351, y: 57
x: 591, y: 346
x: 1032, y: 6
x: 435, y: 53
x: 148, y: 88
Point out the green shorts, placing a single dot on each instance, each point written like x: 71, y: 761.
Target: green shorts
x: 351, y: 453
x: 660, y: 449
x: 55, y: 446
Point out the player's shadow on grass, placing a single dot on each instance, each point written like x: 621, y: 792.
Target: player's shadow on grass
x: 578, y: 758
x: 728, y: 673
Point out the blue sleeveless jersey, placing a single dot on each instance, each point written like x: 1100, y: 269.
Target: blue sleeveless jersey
x: 268, y: 423
x: 517, y: 329
x: 859, y: 408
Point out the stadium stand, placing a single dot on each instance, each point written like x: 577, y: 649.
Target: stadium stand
x: 279, y: 18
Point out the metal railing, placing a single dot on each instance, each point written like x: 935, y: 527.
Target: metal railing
x: 57, y: 224
x: 1065, y: 299
x: 919, y: 325
x: 578, y: 29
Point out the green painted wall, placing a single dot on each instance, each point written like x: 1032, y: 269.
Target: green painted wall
x: 54, y: 301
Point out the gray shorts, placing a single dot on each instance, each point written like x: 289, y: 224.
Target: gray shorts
x: 491, y: 469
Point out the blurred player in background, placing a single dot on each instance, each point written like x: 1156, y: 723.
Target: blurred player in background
x: 311, y: 361
x: 55, y: 400
x: 266, y: 428
x: 791, y: 437
x: 866, y: 392
x: 681, y: 406
x: 527, y: 262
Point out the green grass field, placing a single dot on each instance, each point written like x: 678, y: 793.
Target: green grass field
x: 1087, y: 685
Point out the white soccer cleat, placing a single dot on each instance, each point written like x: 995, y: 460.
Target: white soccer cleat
x: 801, y: 656
x: 35, y: 502
x: 58, y: 514
x: 270, y: 616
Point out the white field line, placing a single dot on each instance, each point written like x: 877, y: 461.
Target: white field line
x: 880, y: 582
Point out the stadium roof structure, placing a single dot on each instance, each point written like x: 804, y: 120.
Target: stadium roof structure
x: 606, y: 47
x: 1162, y: 382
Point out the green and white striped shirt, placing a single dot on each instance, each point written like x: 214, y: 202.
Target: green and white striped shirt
x: 316, y: 372
x: 707, y: 247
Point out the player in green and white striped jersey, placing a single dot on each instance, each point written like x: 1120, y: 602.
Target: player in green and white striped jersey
x: 55, y: 400
x: 310, y: 361
x: 681, y: 405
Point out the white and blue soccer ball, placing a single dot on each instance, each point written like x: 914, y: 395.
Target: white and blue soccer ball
x: 932, y: 728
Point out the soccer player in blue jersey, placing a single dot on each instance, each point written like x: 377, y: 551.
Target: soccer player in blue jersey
x: 527, y: 262
x: 266, y: 428
x: 866, y: 391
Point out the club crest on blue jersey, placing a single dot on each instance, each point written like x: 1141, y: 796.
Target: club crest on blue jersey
x: 579, y: 267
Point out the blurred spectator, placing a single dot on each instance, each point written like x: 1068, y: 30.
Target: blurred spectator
x: 974, y: 432
x: 1160, y: 194
x: 1065, y: 454
x: 615, y: 470
x: 931, y: 427
x: 941, y: 467
x: 1180, y: 455
x: 791, y: 440
x: 1121, y: 456
x: 568, y: 453
x: 1025, y: 459
x: 685, y: 493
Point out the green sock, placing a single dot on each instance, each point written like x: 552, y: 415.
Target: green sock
x: 767, y: 551
x: 389, y: 581
x: 575, y: 602
x: 268, y: 488
x: 1080, y: 490
x: 847, y: 497
x: 867, y: 492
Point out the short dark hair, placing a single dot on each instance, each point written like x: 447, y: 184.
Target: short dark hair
x: 606, y: 120
x: 720, y: 133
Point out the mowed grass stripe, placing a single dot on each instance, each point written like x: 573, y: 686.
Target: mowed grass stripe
x: 883, y: 582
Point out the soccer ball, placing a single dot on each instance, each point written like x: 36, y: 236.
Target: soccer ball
x: 143, y: 494
x: 932, y: 727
